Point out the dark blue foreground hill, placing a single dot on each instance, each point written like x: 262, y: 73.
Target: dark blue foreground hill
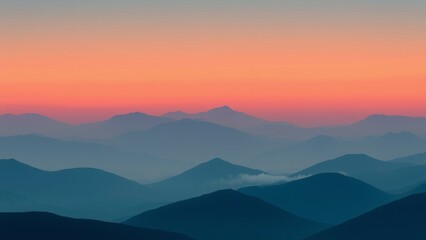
x: 47, y: 226
x: 329, y: 197
x: 227, y: 215
x: 402, y: 219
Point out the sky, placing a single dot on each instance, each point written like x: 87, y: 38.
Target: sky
x: 311, y: 62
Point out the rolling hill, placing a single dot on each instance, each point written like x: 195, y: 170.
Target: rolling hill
x: 330, y: 198
x: 42, y: 225
x: 352, y: 164
x: 321, y: 148
x: 80, y: 192
x: 53, y: 154
x: 227, y: 215
x: 414, y: 159
x: 207, y: 177
x: 401, y: 219
x: 191, y: 140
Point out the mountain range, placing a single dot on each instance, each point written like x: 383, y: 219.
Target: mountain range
x: 207, y: 177
x: 79, y: 192
x: 53, y: 154
x: 191, y: 140
x: 227, y: 215
x: 318, y: 149
x: 386, y: 175
x: 377, y: 124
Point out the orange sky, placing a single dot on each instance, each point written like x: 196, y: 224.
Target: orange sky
x: 308, y: 73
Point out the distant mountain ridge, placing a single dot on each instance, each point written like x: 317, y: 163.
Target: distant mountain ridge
x: 29, y: 123
x: 312, y: 151
x: 224, y: 116
x: 352, y: 164
x: 53, y: 154
x: 191, y: 140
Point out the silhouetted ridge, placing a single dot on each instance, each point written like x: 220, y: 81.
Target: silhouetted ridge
x: 226, y: 215
x: 351, y: 164
x: 401, y: 219
x: 206, y: 177
x: 42, y: 225
x: 328, y: 197
x: 79, y: 192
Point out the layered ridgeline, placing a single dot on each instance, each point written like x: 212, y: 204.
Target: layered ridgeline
x: 402, y: 219
x: 210, y: 176
x: 191, y: 140
x: 329, y: 198
x: 353, y: 164
x: 306, y: 153
x: 387, y: 175
x: 224, y: 116
x: 227, y: 215
x: 80, y: 192
x: 17, y: 124
x: 372, y: 125
x: 115, y: 126
x: 42, y: 225
x: 52, y: 154
x: 419, y: 159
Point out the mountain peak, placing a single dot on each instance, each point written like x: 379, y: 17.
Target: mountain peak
x: 224, y: 108
x: 216, y: 161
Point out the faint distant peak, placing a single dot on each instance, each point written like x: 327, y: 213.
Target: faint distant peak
x: 384, y: 117
x: 129, y: 115
x: 176, y: 115
x: 222, y: 109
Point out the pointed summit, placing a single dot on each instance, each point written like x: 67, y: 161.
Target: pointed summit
x: 206, y: 177
x: 224, y: 108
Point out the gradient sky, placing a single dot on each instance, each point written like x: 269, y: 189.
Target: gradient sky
x: 309, y: 62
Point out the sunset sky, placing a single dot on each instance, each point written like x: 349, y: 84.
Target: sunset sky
x: 311, y: 62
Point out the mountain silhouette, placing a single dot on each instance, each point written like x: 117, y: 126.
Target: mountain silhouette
x: 224, y: 116
x: 80, y: 192
x: 116, y: 125
x: 227, y: 215
x: 29, y: 123
x: 307, y: 153
x: 43, y: 225
x: 52, y: 154
x: 330, y: 197
x: 191, y: 140
x: 414, y: 159
x: 352, y: 164
x: 401, y: 219
x: 396, y: 179
x: 206, y: 177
